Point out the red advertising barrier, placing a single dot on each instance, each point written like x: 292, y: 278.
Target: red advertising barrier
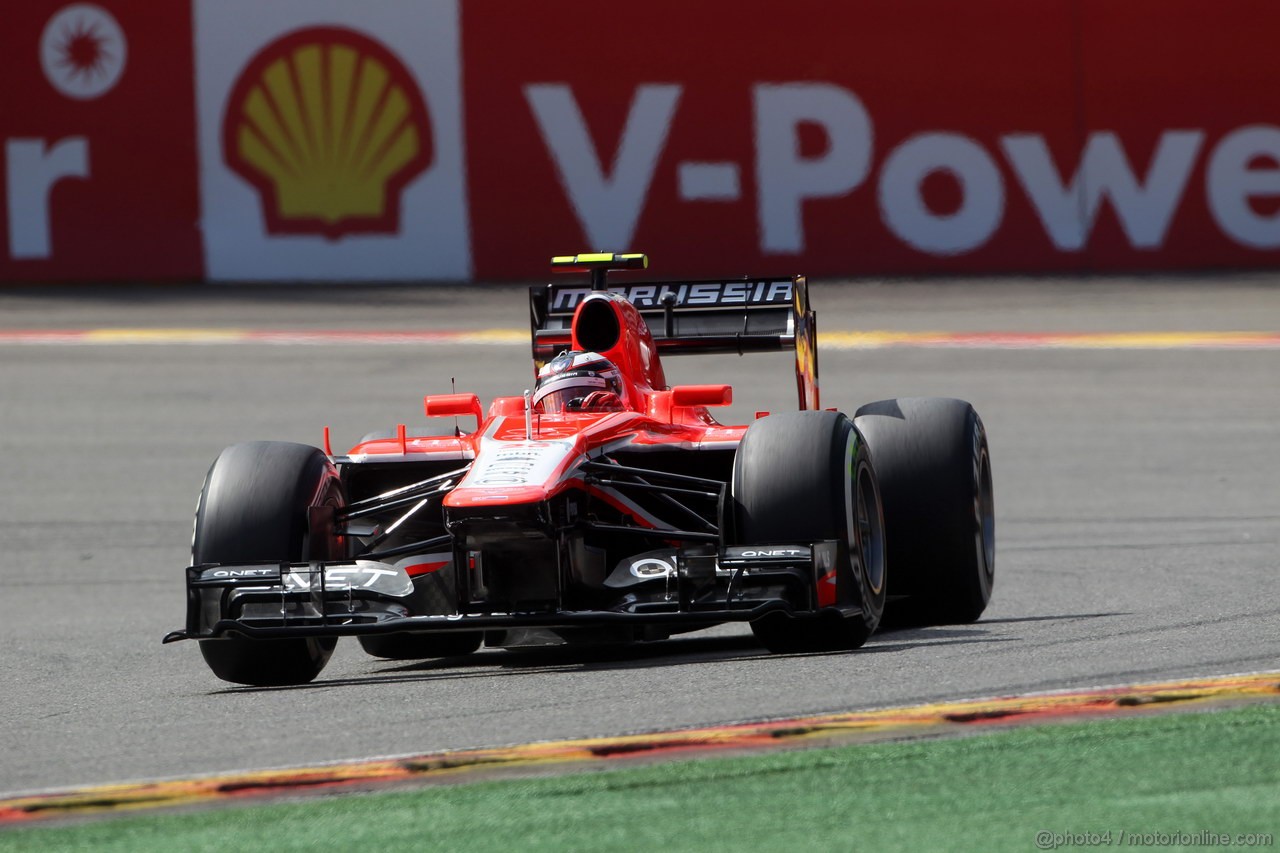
x: 1194, y: 83
x: 97, y: 125
x: 877, y: 138
x: 232, y: 140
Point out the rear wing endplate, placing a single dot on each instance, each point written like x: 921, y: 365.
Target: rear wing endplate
x: 689, y: 317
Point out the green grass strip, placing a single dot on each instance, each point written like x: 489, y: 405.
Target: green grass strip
x: 1178, y: 775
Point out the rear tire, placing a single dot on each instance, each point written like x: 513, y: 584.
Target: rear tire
x: 935, y: 477
x: 806, y: 477
x: 253, y: 509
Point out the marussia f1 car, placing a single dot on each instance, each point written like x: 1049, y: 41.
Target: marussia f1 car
x: 603, y: 506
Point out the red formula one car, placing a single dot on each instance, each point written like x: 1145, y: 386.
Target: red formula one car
x: 604, y: 506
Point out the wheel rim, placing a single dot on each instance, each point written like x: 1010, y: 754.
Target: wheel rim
x: 335, y: 548
x: 870, y: 531
x: 984, y: 512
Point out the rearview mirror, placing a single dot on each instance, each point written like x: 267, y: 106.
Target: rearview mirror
x: 701, y: 395
x: 453, y: 405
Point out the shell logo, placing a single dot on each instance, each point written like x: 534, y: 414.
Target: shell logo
x: 329, y: 127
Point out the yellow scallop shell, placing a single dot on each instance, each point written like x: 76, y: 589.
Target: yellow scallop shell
x: 329, y: 126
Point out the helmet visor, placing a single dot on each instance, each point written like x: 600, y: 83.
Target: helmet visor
x: 567, y: 393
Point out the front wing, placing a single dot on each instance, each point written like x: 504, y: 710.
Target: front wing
x: 367, y: 597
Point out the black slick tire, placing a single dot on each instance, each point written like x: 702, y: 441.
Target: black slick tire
x: 935, y: 479
x: 253, y: 509
x: 802, y: 477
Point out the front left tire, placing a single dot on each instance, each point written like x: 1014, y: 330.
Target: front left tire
x: 805, y: 477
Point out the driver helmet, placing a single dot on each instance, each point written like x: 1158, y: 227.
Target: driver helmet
x: 577, y: 381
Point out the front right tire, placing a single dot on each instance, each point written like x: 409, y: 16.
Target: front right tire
x: 254, y: 509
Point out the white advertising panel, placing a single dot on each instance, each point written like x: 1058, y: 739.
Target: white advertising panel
x: 331, y: 140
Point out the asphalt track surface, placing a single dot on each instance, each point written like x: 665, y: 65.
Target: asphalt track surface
x: 1137, y: 494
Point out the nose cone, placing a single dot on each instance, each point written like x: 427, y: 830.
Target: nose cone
x: 513, y: 472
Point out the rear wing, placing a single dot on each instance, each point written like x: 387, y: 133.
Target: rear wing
x: 688, y: 317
